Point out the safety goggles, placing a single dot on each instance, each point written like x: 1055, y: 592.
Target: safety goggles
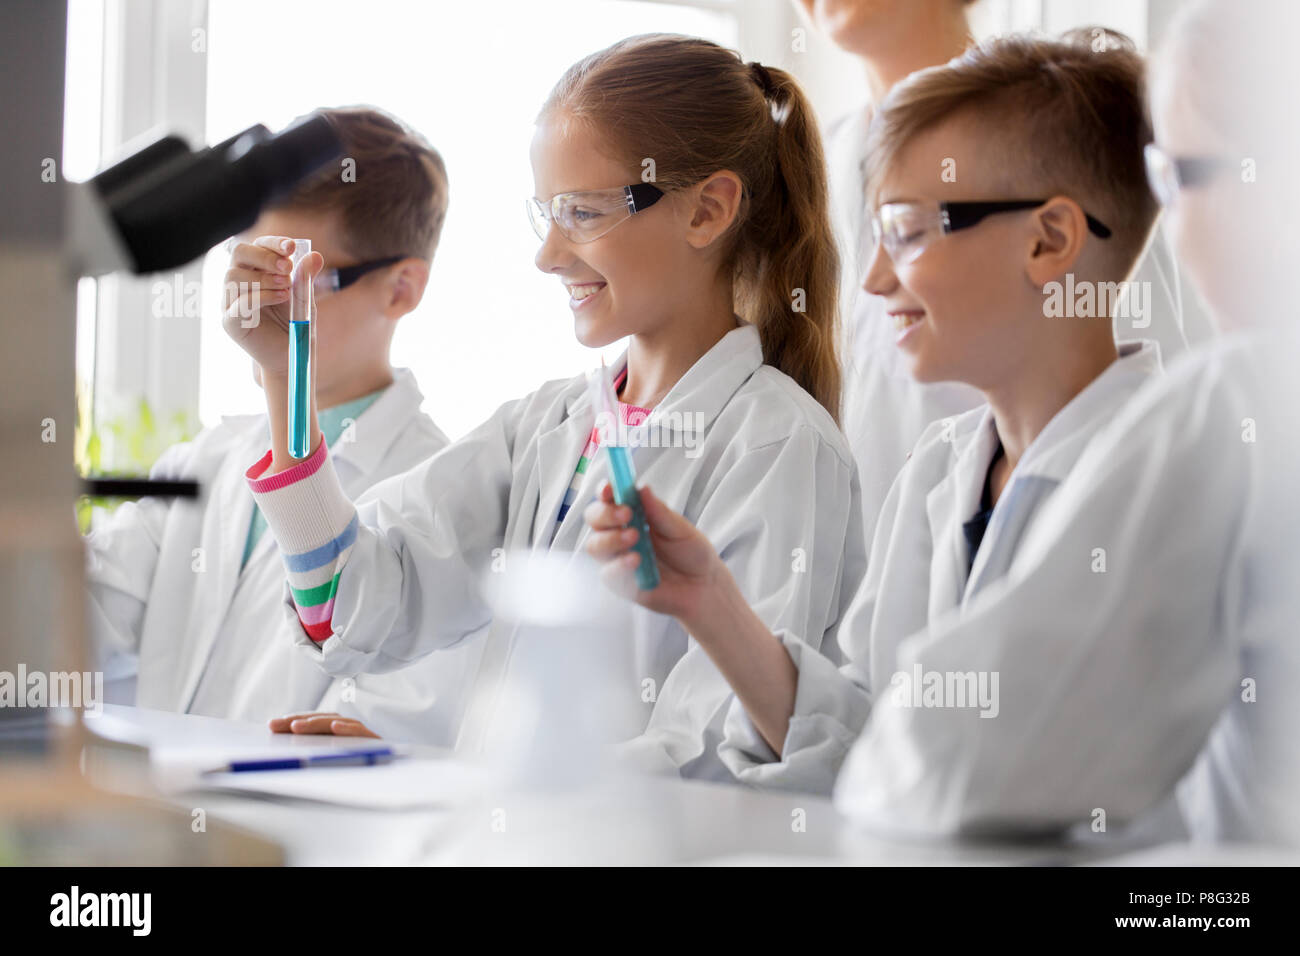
x: 907, y: 229
x: 1168, y: 175
x: 588, y: 215
x: 335, y: 280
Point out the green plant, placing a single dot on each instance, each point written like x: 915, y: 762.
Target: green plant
x: 127, y: 444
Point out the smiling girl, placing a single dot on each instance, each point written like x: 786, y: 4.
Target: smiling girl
x: 696, y: 226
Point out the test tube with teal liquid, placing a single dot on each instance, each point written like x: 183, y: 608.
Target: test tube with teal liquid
x: 622, y: 476
x: 301, y: 317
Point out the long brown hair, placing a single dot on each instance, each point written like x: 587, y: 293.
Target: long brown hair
x: 695, y: 108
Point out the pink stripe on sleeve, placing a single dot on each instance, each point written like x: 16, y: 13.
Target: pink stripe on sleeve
x: 304, y: 469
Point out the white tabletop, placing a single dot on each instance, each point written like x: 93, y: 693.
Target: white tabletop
x: 617, y: 819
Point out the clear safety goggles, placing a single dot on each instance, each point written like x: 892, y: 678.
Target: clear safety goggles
x: 907, y: 229
x: 1167, y: 175
x: 588, y: 215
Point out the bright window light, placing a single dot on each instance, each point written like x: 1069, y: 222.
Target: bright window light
x: 491, y: 327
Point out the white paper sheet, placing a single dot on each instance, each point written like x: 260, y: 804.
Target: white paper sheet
x: 406, y: 783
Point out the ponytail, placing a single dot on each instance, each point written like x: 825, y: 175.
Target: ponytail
x: 790, y: 290
x: 697, y: 109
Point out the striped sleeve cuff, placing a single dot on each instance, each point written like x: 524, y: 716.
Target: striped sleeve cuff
x: 315, y: 525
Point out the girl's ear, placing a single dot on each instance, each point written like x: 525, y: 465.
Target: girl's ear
x: 714, y: 205
x: 1060, y: 229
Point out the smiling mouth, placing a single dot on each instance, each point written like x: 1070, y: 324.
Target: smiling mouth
x: 578, y: 292
x: 903, y: 320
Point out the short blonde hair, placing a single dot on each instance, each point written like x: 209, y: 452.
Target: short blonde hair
x: 1069, y: 117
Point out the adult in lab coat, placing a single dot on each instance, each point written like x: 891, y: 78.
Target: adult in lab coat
x: 885, y: 410
x: 1145, y: 634
x: 171, y: 605
x: 740, y: 448
x: 920, y: 571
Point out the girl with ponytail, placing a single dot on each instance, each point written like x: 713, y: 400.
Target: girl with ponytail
x: 684, y: 113
x: 680, y: 199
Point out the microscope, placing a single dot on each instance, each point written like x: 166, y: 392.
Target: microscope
x: 159, y: 208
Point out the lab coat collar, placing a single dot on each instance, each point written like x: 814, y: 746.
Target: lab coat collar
x: 375, y: 429
x: 974, y: 448
x: 1053, y: 452
x: 690, y: 407
x: 378, y: 427
x: 953, y: 501
x: 558, y: 451
x: 1045, y: 463
x: 699, y: 396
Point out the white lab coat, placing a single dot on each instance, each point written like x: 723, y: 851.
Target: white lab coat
x: 169, y: 603
x: 1160, y: 577
x: 885, y: 410
x: 770, y: 481
x: 917, y: 574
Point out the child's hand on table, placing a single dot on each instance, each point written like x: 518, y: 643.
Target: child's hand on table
x: 321, y: 723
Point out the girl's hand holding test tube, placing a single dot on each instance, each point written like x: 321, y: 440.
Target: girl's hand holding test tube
x: 691, y: 574
x: 696, y: 587
x: 259, y: 287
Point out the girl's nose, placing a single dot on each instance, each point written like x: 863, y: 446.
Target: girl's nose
x: 555, y: 253
x: 880, y: 278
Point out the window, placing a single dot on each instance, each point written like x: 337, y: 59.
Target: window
x: 491, y: 327
x: 468, y: 76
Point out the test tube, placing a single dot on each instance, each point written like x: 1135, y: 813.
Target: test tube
x: 301, y: 316
x: 622, y: 476
x: 623, y: 482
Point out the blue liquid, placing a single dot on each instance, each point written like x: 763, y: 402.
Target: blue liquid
x: 625, y: 493
x: 299, y: 388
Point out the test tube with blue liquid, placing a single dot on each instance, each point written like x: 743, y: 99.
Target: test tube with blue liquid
x: 301, y: 317
x: 622, y: 476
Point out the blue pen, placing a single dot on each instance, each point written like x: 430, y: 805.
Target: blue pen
x: 622, y: 477
x: 300, y: 335
x: 350, y: 758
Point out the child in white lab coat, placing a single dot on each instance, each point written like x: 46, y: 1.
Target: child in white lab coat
x: 697, y: 226
x: 964, y: 267
x: 181, y: 593
x: 1149, y: 623
x: 885, y: 409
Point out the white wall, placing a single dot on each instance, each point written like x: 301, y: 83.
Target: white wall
x: 491, y: 326
x: 471, y: 77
